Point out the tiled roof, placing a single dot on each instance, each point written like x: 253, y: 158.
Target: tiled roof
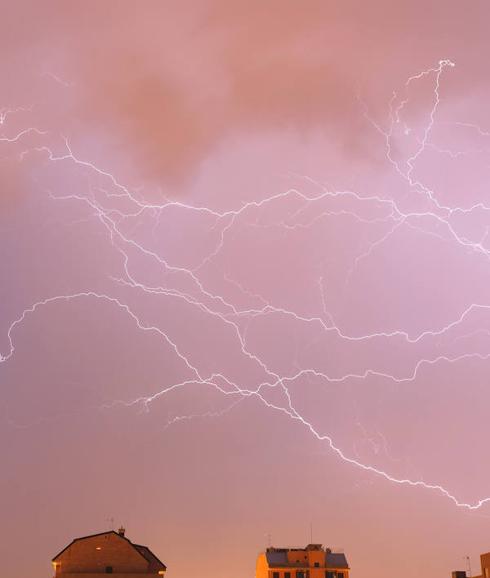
x: 155, y: 563
x: 277, y: 558
x: 336, y: 560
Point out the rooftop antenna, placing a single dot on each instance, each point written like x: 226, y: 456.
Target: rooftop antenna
x: 311, y: 532
x: 111, y: 520
x: 468, y: 565
x: 269, y: 540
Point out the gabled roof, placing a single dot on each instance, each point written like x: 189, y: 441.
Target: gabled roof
x: 143, y: 551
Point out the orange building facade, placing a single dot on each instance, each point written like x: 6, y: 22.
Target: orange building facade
x: 314, y: 561
x: 106, y: 553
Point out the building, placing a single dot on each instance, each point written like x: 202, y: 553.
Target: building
x: 314, y: 561
x: 106, y: 553
x: 485, y: 568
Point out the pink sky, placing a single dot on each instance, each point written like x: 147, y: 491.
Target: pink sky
x: 245, y: 281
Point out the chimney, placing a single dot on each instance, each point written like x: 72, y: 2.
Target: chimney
x: 121, y: 531
x: 459, y: 574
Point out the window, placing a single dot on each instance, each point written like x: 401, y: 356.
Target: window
x: 287, y: 574
x: 317, y: 564
x: 340, y: 575
x: 108, y: 569
x: 300, y: 574
x: 275, y: 574
x: 329, y: 574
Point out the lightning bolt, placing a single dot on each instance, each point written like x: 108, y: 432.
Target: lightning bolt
x: 114, y: 205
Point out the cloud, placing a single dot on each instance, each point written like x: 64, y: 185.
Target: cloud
x: 169, y: 82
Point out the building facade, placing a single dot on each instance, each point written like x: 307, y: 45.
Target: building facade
x: 314, y: 561
x: 106, y: 553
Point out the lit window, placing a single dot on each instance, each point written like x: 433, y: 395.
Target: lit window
x: 98, y: 548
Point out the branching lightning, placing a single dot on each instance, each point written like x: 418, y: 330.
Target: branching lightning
x: 116, y: 204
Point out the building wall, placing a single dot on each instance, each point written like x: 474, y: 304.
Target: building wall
x: 298, y: 555
x: 261, y: 568
x: 485, y: 565
x: 344, y: 572
x: 316, y: 557
x: 308, y: 559
x: 266, y: 572
x: 94, y: 554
